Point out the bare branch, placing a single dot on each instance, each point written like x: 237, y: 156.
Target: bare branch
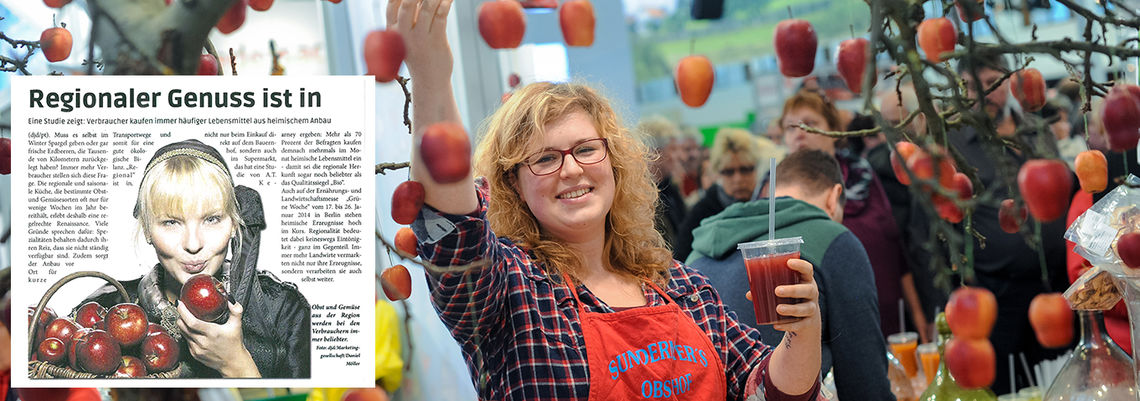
x: 382, y: 167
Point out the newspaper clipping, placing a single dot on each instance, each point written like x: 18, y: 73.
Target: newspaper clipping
x: 193, y: 231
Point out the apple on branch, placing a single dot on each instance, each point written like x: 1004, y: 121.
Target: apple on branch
x: 576, y: 17
x: 851, y: 61
x: 384, y: 51
x: 694, y: 79
x: 502, y: 23
x: 795, y: 43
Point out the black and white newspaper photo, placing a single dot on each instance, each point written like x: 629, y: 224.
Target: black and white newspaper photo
x: 193, y: 231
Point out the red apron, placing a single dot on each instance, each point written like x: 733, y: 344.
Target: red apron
x: 650, y: 352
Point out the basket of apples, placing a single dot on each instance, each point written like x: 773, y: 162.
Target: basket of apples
x: 98, y: 342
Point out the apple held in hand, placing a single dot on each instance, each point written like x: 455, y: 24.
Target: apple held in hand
x: 56, y: 44
x: 971, y: 312
x: 576, y: 17
x: 233, y: 18
x: 971, y: 362
x: 1028, y: 88
x: 159, y: 352
x: 937, y: 36
x: 446, y: 151
x: 694, y: 79
x: 206, y: 298
x: 407, y: 200
x: 1010, y: 216
x: 1052, y: 320
x: 1092, y: 171
x: 405, y: 241
x: 1121, y: 117
x: 795, y: 43
x: 502, y: 23
x: 126, y: 322
x: 384, y: 51
x: 1046, y: 186
x: 852, y: 63
x: 396, y: 283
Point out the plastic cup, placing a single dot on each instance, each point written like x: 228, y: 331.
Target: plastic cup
x: 928, y: 354
x: 903, y: 345
x: 1030, y: 394
x: 767, y: 265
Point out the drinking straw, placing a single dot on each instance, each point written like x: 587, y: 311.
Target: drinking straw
x: 1012, y: 378
x: 902, y: 316
x: 1025, y: 365
x: 771, y: 199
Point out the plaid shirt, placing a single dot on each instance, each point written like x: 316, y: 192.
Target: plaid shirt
x: 519, y: 327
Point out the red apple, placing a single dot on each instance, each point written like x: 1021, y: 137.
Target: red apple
x: 502, y: 23
x: 365, y: 394
x: 127, y: 323
x: 903, y: 151
x: 5, y: 156
x: 576, y: 17
x: 694, y: 80
x: 335, y: 1
x: 159, y: 352
x: 513, y: 81
x: 56, y: 3
x: 56, y: 44
x: 233, y: 18
x: 90, y: 315
x: 1010, y: 216
x: 549, y: 4
x: 1121, y: 117
x: 406, y: 241
x: 383, y: 52
x: 52, y: 350
x: 152, y: 328
x: 946, y: 207
x: 971, y: 362
x: 407, y: 200
x: 971, y: 312
x: 62, y: 328
x: 260, y: 5
x: 396, y: 282
x: 921, y: 164
x: 1052, y: 320
x: 1028, y: 88
x: 852, y: 63
x: 46, y: 318
x: 130, y: 367
x: 937, y: 36
x: 207, y: 65
x: 206, y: 298
x: 1092, y: 171
x: 1046, y: 186
x: 1128, y: 248
x: 97, y: 352
x: 80, y: 334
x: 446, y: 150
x: 970, y: 12
x: 795, y: 43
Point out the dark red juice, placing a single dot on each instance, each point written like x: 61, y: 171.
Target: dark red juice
x: 765, y: 273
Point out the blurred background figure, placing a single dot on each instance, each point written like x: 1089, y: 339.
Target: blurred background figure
x: 662, y: 137
x: 737, y: 158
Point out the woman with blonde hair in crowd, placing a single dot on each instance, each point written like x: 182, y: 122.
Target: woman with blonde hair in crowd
x: 559, y: 288
x: 737, y: 159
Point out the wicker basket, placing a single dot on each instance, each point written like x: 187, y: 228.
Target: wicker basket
x: 45, y: 370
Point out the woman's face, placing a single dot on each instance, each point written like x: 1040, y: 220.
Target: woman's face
x: 571, y: 203
x: 737, y: 177
x: 797, y: 139
x: 192, y: 241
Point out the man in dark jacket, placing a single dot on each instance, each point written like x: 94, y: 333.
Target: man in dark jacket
x: 809, y: 203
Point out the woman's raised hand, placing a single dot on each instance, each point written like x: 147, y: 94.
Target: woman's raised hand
x: 218, y: 346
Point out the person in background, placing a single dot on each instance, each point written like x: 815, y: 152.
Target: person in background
x: 867, y: 212
x: 661, y: 136
x: 1056, y: 113
x: 389, y: 364
x: 558, y: 287
x: 809, y: 198
x: 689, y: 157
x: 736, y: 157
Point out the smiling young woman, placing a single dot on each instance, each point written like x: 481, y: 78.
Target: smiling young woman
x: 578, y: 298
